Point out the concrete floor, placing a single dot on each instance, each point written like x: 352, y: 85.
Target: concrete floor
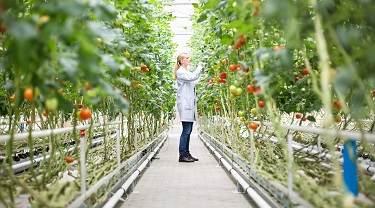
x: 169, y: 183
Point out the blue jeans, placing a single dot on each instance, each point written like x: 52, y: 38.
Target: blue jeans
x: 187, y: 127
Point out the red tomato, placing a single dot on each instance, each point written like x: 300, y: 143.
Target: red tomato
x: 85, y: 114
x: 144, y: 68
x: 261, y: 103
x: 217, y: 108
x: 69, y: 159
x: 28, y: 121
x: 253, y: 126
x: 337, y: 105
x: 250, y: 88
x: 233, y: 67
x: 373, y: 92
x: 221, y: 80
x: 79, y: 105
x: 257, y: 90
x: 223, y: 75
x: 28, y: 94
x: 296, y: 79
x: 238, y: 44
x: 305, y: 72
x: 304, y: 119
x: 82, y: 133
x: 277, y: 48
x: 298, y: 116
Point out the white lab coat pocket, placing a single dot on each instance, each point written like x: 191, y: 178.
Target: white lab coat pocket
x: 187, y: 103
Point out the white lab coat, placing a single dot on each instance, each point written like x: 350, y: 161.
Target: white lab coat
x: 186, y: 96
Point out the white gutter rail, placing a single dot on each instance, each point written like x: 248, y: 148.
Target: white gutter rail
x: 250, y: 191
x: 116, y: 197
x: 331, y: 132
x: 48, y: 132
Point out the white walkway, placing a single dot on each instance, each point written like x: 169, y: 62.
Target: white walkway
x: 171, y: 184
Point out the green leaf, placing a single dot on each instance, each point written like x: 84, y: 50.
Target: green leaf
x: 22, y: 30
x: 202, y: 17
x: 311, y: 118
x: 110, y: 62
x: 70, y: 67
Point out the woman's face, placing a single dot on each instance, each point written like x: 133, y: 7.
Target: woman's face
x: 185, y: 60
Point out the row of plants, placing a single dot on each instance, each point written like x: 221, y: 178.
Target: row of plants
x: 69, y: 63
x: 294, y: 62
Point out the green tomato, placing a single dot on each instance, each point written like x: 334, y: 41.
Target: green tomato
x: 99, y: 41
x: 78, y: 115
x: 51, y: 104
x: 126, y: 54
x: 239, y: 91
x: 254, y: 111
x: 136, y: 69
x: 241, y: 113
x: 232, y: 89
x: 92, y: 93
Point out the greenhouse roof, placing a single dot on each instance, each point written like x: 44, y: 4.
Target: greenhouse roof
x: 182, y: 25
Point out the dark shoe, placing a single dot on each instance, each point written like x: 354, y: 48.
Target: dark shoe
x: 185, y: 159
x: 195, y: 159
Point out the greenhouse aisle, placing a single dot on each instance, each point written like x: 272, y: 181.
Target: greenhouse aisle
x: 169, y: 183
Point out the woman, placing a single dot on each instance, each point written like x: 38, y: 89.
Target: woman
x: 186, y: 102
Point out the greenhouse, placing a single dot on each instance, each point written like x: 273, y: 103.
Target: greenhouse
x: 187, y: 103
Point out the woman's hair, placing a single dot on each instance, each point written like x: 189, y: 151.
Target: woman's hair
x: 178, y: 63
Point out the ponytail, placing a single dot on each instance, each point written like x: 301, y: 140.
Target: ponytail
x: 176, y: 66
